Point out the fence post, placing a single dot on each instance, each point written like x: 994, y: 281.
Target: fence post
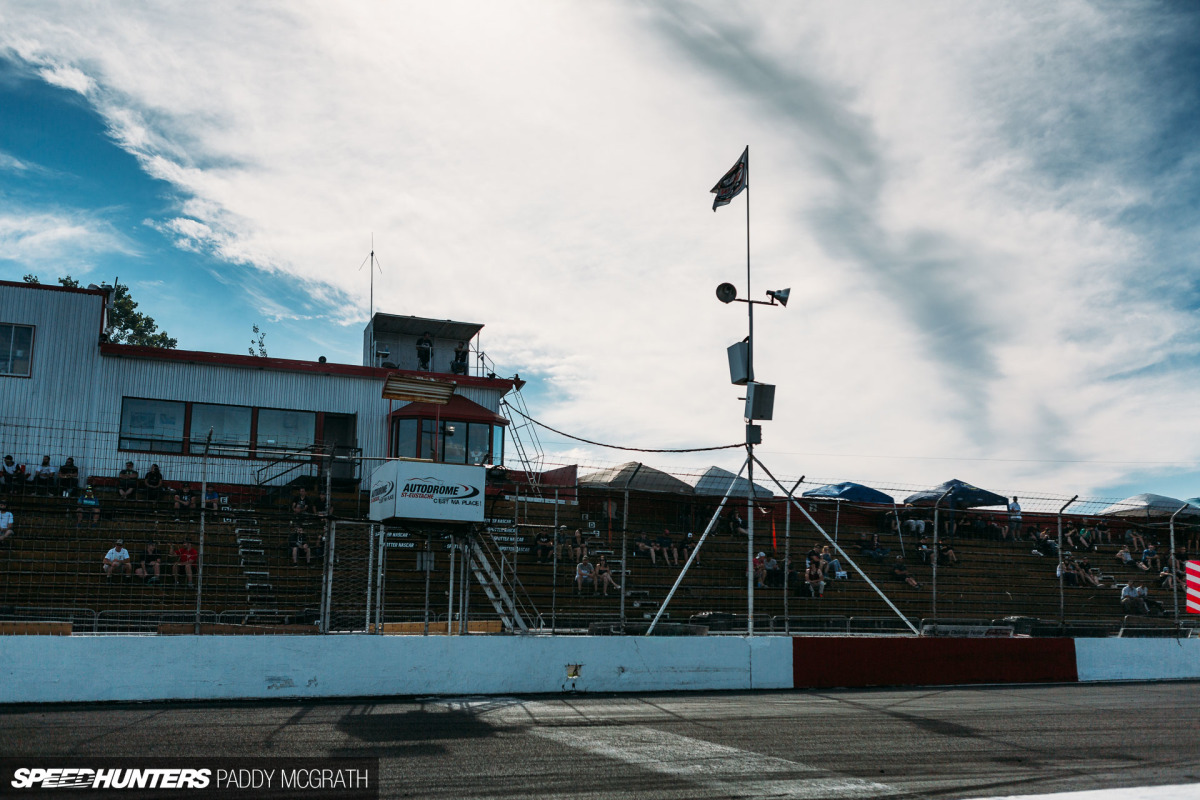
x: 554, y: 569
x: 1062, y: 602
x: 428, y: 563
x: 935, y: 555
x: 370, y: 576
x: 203, y: 506
x: 1175, y: 564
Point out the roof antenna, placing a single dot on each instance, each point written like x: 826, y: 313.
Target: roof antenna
x: 371, y: 319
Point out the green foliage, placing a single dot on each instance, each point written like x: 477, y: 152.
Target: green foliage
x: 257, y: 343
x: 126, y: 325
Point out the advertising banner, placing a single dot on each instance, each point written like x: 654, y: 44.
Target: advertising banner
x: 422, y: 490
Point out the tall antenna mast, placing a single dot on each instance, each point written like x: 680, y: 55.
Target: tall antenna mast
x: 371, y: 320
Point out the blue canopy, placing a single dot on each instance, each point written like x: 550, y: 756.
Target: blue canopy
x: 962, y: 495
x: 850, y: 492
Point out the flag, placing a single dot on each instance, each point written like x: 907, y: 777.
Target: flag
x: 731, y: 185
x: 774, y: 544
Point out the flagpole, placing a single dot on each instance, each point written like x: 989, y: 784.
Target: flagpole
x: 749, y: 423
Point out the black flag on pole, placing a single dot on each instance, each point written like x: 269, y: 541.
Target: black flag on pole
x: 731, y: 185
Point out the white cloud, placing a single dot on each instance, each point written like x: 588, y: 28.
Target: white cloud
x: 544, y: 168
x: 68, y: 239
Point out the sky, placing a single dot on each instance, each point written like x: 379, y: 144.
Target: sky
x: 986, y: 212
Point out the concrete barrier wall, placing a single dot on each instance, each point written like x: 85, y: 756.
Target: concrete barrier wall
x: 1137, y: 659
x: 111, y: 668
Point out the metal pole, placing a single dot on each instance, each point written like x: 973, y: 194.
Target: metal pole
x: 1062, y: 601
x: 554, y: 569
x: 200, y: 555
x: 450, y: 590
x: 379, y: 586
x: 329, y: 558
x: 935, y: 554
x: 624, y: 548
x: 750, y: 422
x: 899, y: 527
x: 787, y: 556
x: 1175, y: 565
x: 428, y: 574
x: 370, y: 577
x: 695, y: 552
x: 837, y: 517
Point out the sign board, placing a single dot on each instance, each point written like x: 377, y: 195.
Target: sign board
x: 1193, y: 587
x: 423, y: 490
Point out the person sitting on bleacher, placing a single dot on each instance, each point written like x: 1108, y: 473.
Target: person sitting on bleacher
x: 900, y: 573
x: 118, y: 559
x: 186, y: 559
x: 643, y: 547
x: 562, y: 542
x: 604, y: 576
x: 6, y: 521
x: 1124, y: 556
x: 150, y: 564
x: 153, y: 483
x: 545, y: 548
x: 666, y: 546
x: 815, y: 579
x: 1133, y: 599
x: 1043, y: 545
x: 585, y: 574
x: 579, y: 546
x: 1135, y: 540
x: 301, y: 506
x: 212, y: 499
x: 68, y: 477
x: 127, y: 481
x: 685, y: 546
x: 89, y: 503
x: 42, y: 477
x: 773, y: 575
x: 12, y: 474
x: 184, y: 498
x: 296, y: 543
x: 1150, y: 558
x: 833, y: 567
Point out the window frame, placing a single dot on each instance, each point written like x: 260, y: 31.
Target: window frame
x: 32, y: 346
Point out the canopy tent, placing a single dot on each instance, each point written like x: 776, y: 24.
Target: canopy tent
x: 716, y: 481
x: 851, y: 493
x: 1150, y: 506
x: 635, y: 477
x: 961, y: 495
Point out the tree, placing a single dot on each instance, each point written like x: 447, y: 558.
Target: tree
x: 257, y: 342
x: 126, y: 325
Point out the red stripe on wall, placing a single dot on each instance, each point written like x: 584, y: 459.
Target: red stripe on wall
x: 825, y: 662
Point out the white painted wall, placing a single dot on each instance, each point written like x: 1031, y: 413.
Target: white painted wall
x: 47, y: 669
x: 1137, y: 659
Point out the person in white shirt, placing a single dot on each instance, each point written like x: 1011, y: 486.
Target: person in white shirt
x: 42, y: 476
x: 6, y: 521
x: 118, y: 559
x: 1014, y: 519
x: 1133, y: 599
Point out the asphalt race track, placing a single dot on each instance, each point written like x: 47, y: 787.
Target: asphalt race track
x: 975, y: 742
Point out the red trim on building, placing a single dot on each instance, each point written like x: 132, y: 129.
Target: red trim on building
x: 288, y: 365
x: 838, y: 661
x: 459, y: 408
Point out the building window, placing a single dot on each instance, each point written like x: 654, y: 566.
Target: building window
x: 230, y: 426
x: 478, y: 438
x: 16, y: 350
x: 404, y: 438
x: 497, y: 444
x: 285, y: 430
x: 152, y: 425
x: 454, y: 442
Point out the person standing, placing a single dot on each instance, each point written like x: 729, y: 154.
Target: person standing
x: 1014, y: 519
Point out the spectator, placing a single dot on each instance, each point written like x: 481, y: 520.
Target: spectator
x: 1166, y: 578
x: 459, y: 365
x: 118, y: 559
x: 296, y: 543
x: 212, y: 499
x: 666, y: 546
x: 1043, y: 545
x: 1124, y: 556
x: 562, y: 541
x: 1150, y: 558
x: 1135, y: 540
x: 1014, y: 519
x: 585, y: 574
x: 946, y: 554
x: 1071, y: 538
x: 186, y: 559
x: 773, y: 573
x: 1103, y: 533
x: 1133, y: 599
x: 127, y: 481
x: 737, y: 525
x: 150, y: 564
x: 153, y: 483
x: 1065, y: 573
x: 604, y: 576
x: 760, y: 569
x: 914, y: 524
x: 995, y: 532
x: 900, y: 573
x: 545, y: 547
x: 6, y: 521
x: 1084, y: 567
x: 68, y: 477
x: 42, y: 477
x: 318, y: 550
x: 184, y: 499
x: 424, y: 351
x: 321, y: 507
x: 643, y: 547
x: 925, y: 549
x: 301, y: 506
x: 833, y: 567
x: 89, y: 503
x: 815, y: 578
x: 873, y: 548
x: 12, y: 474
x: 686, y: 545
x: 579, y: 545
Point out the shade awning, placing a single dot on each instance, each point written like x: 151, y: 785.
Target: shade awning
x: 959, y: 494
x: 850, y: 492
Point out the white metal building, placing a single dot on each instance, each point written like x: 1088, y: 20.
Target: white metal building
x: 67, y: 391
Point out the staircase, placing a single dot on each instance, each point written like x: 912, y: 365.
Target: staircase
x: 252, y: 558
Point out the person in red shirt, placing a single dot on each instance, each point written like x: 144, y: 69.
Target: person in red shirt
x: 187, y: 558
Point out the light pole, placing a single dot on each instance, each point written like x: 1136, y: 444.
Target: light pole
x: 760, y: 403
